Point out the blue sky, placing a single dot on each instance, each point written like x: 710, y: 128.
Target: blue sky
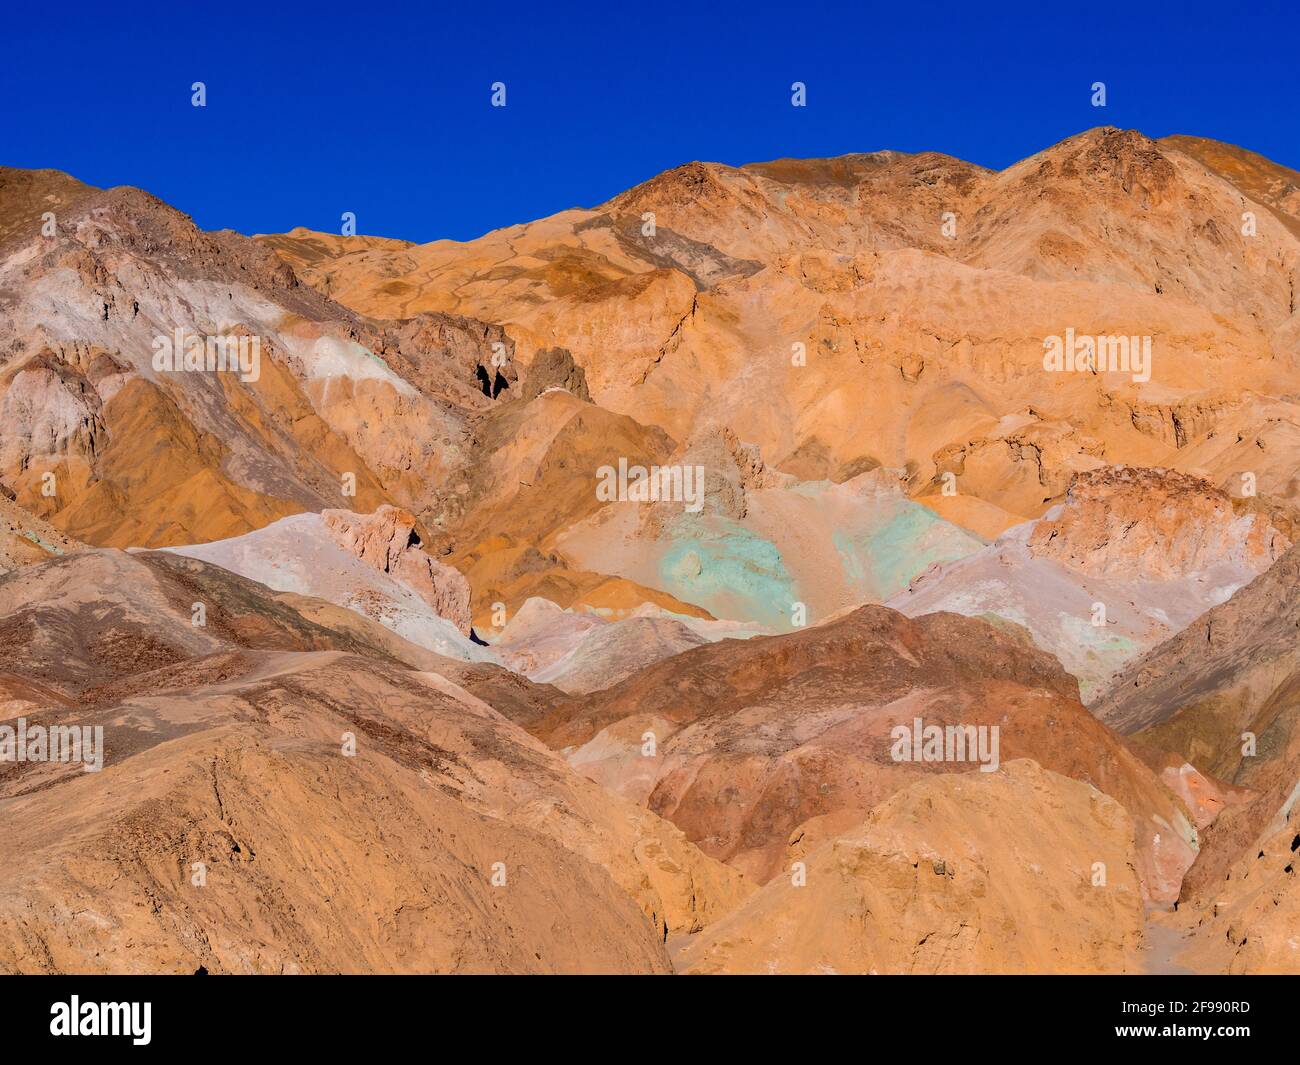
x: 384, y: 110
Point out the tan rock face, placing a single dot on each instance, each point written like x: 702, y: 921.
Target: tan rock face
x: 1153, y: 525
x: 1247, y: 923
x: 387, y: 540
x: 25, y: 538
x: 591, y: 658
x: 731, y: 467
x: 1265, y: 181
x: 917, y: 343
x: 953, y: 874
x: 223, y: 811
x: 555, y: 368
x: 1130, y: 558
x: 532, y: 475
x: 305, y: 555
x: 28, y: 194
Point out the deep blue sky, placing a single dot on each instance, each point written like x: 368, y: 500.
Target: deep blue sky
x: 383, y: 109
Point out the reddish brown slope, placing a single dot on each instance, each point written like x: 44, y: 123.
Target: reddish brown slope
x: 764, y: 747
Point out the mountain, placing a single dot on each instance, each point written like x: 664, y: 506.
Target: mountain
x: 811, y: 321
x: 326, y: 408
x: 1262, y: 179
x: 820, y: 314
x: 923, y: 352
x: 554, y: 601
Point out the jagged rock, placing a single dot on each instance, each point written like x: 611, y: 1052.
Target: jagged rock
x: 387, y: 540
x: 555, y: 368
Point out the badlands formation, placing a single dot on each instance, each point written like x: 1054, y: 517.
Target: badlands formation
x: 934, y: 648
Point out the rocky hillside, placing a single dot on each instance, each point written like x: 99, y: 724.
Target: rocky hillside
x: 1130, y: 558
x: 762, y: 745
x: 278, y: 796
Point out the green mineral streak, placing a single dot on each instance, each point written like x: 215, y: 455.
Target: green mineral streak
x: 1092, y: 643
x: 879, y: 561
x: 54, y: 549
x: 729, y: 571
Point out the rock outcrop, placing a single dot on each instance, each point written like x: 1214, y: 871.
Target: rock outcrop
x: 388, y: 541
x: 1130, y: 558
x: 395, y: 583
x: 1154, y: 525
